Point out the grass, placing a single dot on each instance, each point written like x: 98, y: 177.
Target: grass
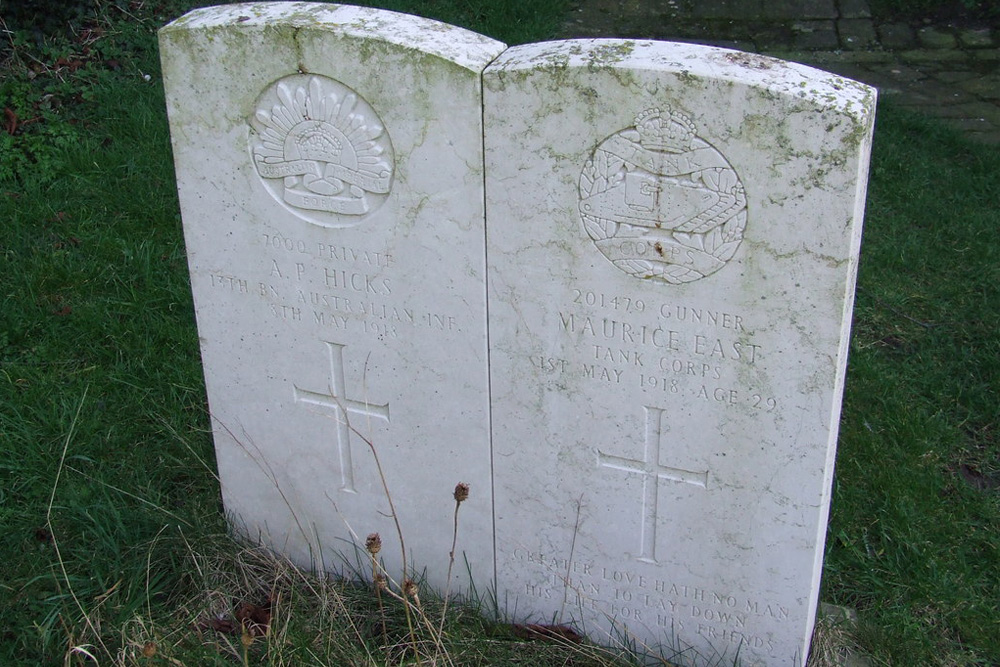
x: 915, y: 533
x: 113, y: 541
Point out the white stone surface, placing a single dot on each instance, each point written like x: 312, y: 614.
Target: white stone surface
x: 673, y: 234
x: 329, y: 165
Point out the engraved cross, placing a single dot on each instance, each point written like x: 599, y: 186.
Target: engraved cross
x: 339, y: 404
x: 652, y: 470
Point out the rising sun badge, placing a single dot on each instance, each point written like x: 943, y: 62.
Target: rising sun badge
x: 321, y: 150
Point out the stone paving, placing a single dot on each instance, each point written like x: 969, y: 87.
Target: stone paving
x: 952, y: 72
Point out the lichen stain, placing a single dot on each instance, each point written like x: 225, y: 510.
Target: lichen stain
x: 751, y: 60
x: 763, y: 131
x: 609, y: 54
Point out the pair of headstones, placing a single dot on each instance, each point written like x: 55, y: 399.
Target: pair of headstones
x: 608, y: 284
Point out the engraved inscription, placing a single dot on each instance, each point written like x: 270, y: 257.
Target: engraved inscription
x: 655, y: 598
x: 347, y: 288
x: 674, y: 350
x: 660, y: 202
x: 321, y: 150
x: 339, y: 404
x: 652, y: 470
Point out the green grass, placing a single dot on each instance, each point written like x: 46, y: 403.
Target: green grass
x: 113, y: 539
x: 914, y: 540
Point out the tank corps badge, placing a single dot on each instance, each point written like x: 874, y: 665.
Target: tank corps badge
x: 321, y: 150
x: 660, y: 202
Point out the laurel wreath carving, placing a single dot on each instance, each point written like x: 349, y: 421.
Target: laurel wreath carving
x: 604, y: 171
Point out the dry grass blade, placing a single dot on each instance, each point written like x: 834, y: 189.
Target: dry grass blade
x: 833, y: 642
x: 66, y: 580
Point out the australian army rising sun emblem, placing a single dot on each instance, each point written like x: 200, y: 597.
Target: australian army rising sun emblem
x: 321, y: 150
x: 660, y: 202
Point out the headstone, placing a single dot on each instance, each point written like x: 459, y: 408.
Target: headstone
x: 673, y: 235
x: 329, y: 165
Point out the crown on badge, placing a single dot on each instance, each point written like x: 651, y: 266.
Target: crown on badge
x: 670, y: 132
x: 313, y: 140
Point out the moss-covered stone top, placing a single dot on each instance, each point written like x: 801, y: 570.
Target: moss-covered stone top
x: 778, y: 77
x: 463, y: 47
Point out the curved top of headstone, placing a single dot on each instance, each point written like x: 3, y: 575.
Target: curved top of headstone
x: 779, y: 77
x: 463, y: 47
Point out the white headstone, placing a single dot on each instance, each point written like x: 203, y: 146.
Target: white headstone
x: 673, y: 235
x: 329, y: 165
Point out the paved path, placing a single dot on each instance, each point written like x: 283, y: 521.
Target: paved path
x: 943, y: 70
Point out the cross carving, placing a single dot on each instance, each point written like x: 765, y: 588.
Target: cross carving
x: 652, y: 470
x: 340, y: 404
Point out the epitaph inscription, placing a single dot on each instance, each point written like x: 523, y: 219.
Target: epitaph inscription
x: 321, y: 150
x: 342, y: 407
x: 660, y: 202
x: 652, y: 469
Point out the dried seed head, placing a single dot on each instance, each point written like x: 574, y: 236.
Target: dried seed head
x: 461, y: 492
x: 373, y: 544
x: 410, y: 588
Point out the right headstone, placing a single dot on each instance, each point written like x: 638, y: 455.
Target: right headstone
x: 673, y: 235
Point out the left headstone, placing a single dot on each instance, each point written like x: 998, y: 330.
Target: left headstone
x: 329, y: 167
